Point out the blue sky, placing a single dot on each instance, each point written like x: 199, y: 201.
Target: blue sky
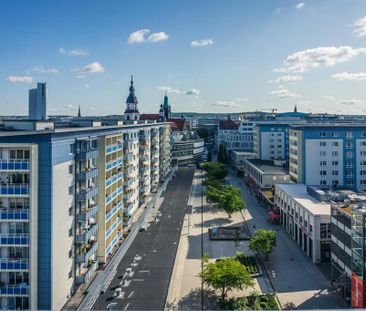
x: 210, y: 55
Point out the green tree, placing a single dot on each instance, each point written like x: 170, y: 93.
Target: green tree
x: 226, y: 274
x: 222, y: 156
x: 263, y: 242
x: 230, y: 200
x: 215, y: 170
x: 203, y: 133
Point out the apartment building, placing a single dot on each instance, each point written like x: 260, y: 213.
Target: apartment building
x: 329, y: 155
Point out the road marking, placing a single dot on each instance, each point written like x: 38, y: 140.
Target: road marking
x: 130, y: 295
x: 144, y: 271
x: 126, y: 307
x: 138, y: 280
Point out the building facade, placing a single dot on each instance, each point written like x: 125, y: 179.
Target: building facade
x: 37, y: 109
x: 328, y: 155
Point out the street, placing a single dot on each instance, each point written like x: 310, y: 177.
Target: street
x: 295, y: 278
x: 151, y: 256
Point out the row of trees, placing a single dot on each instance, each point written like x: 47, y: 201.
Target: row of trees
x: 226, y: 197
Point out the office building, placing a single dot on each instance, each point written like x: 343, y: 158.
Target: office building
x: 306, y: 218
x: 37, y: 108
x: 329, y: 155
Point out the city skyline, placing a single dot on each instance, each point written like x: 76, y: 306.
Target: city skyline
x: 255, y: 56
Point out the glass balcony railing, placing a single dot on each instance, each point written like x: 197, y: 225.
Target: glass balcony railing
x: 14, y: 290
x: 83, y: 258
x: 87, y: 174
x: 113, y: 195
x: 14, y: 214
x: 128, y: 156
x: 87, y: 233
x: 14, y: 189
x: 113, y: 211
x: 87, y: 193
x: 87, y: 155
x: 87, y: 213
x: 14, y: 239
x: 113, y: 148
x: 8, y: 264
x: 87, y: 273
x: 112, y: 164
x: 117, y: 223
x: 113, y: 179
x: 14, y: 165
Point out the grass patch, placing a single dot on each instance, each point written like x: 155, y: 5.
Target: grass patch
x: 252, y: 302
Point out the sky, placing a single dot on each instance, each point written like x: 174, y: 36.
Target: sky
x: 208, y: 55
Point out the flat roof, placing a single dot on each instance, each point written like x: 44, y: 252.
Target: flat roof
x: 330, y: 124
x: 268, y: 167
x: 300, y: 195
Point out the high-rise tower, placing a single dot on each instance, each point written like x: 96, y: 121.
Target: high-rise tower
x: 37, y: 102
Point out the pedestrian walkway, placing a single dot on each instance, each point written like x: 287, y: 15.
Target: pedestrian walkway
x: 295, y: 278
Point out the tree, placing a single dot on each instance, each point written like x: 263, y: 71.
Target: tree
x: 263, y: 242
x: 215, y: 170
x: 226, y: 274
x: 203, y: 133
x: 230, y: 200
x: 222, y: 156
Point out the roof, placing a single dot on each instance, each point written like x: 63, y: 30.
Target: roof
x: 299, y: 194
x: 149, y: 116
x: 177, y: 124
x: 228, y: 124
x: 329, y: 124
x: 268, y: 167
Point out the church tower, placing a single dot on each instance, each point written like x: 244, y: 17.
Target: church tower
x: 166, y: 108
x: 131, y: 112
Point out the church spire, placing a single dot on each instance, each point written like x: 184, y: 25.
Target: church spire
x: 131, y: 111
x: 79, y: 112
x: 295, y: 109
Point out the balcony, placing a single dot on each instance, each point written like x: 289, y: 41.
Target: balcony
x: 10, y: 239
x: 14, y: 214
x: 113, y: 179
x: 14, y: 290
x: 87, y: 155
x: 113, y: 148
x: 14, y: 165
x: 87, y: 273
x: 87, y: 213
x: 113, y: 211
x: 117, y: 223
x: 127, y: 195
x: 14, y: 189
x: 87, y: 174
x: 87, y: 193
x: 8, y: 264
x: 113, y: 195
x: 128, y: 143
x: 87, y: 233
x: 128, y: 157
x: 129, y: 170
x: 128, y: 182
x: 87, y: 253
x: 128, y: 209
x: 111, y: 164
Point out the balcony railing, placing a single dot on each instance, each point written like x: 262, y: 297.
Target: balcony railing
x: 113, y: 211
x: 87, y: 155
x: 87, y: 193
x: 85, y: 277
x: 14, y: 290
x: 14, y: 189
x: 85, y: 257
x: 14, y: 239
x: 128, y: 156
x: 14, y: 165
x: 87, y: 233
x: 111, y: 164
x: 87, y: 213
x: 117, y: 223
x: 14, y: 214
x: 113, y: 148
x: 14, y: 264
x: 113, y: 195
x: 113, y: 179
x: 87, y: 174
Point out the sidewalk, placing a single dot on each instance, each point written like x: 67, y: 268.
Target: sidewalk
x: 185, y: 285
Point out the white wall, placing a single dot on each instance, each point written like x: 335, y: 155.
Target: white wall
x: 61, y: 242
x: 274, y: 139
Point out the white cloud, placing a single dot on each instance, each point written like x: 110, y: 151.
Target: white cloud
x: 92, y: 108
x: 203, y: 42
x: 192, y: 92
x: 74, y: 52
x: 350, y: 102
x: 322, y: 56
x: 80, y: 76
x: 240, y: 99
x: 354, y: 76
x: 283, y: 93
x: 139, y: 36
x: 225, y: 104
x: 278, y: 10
x: 44, y: 70
x: 288, y: 78
x: 93, y: 68
x: 86, y: 86
x: 71, y: 107
x: 158, y: 36
x: 327, y: 97
x: 300, y: 5
x: 360, y: 27
x: 20, y: 79
x: 168, y: 89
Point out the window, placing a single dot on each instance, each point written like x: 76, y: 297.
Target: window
x: 310, y: 228
x: 323, y: 144
x: 323, y: 173
x: 363, y: 143
x: 335, y: 173
x: 323, y: 182
x: 71, y: 190
x: 335, y: 163
x: 325, y: 231
x: 70, y: 272
x: 335, y: 144
x: 71, y: 169
x: 71, y: 148
x: 70, y: 253
x: 323, y: 163
x: 335, y: 153
x: 323, y: 134
x: 362, y: 163
x: 71, y: 209
x: 70, y: 232
x: 323, y: 153
x: 349, y: 134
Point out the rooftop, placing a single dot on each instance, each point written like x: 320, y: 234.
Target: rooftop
x: 330, y: 124
x: 269, y: 167
x: 299, y: 193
